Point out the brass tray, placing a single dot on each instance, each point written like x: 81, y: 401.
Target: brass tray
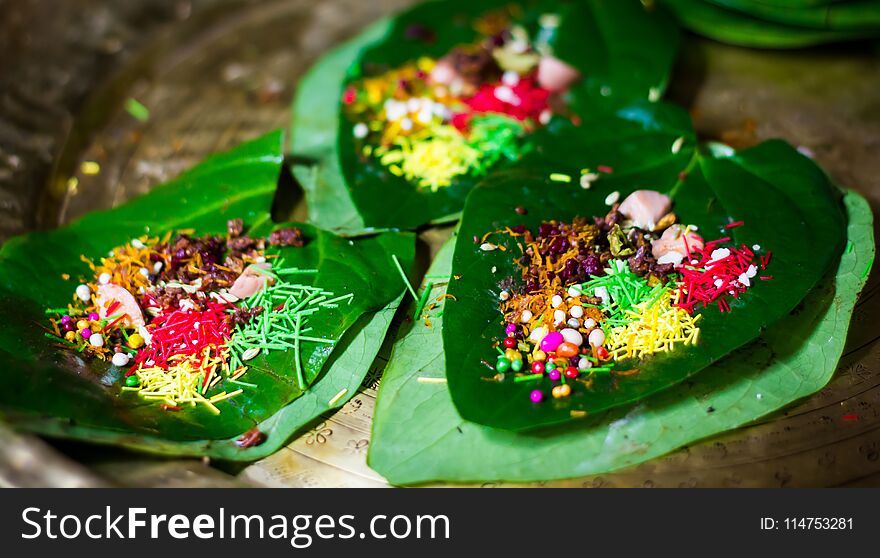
x: 216, y: 72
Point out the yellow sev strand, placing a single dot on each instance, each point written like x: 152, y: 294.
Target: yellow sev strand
x: 654, y: 328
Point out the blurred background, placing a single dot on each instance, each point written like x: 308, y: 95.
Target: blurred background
x: 102, y: 99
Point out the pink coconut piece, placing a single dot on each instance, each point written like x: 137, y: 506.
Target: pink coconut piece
x: 645, y: 207
x: 110, y: 293
x: 676, y: 240
x: 443, y: 73
x: 555, y: 75
x: 250, y: 281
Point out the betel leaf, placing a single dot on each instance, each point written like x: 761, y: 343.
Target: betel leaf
x: 738, y: 28
x: 624, y: 50
x: 418, y: 436
x: 53, y: 390
x: 788, y: 204
x: 857, y: 15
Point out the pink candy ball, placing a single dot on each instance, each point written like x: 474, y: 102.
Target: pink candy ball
x: 551, y: 341
x: 536, y: 396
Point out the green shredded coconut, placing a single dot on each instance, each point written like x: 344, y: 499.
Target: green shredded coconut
x: 287, y: 308
x: 626, y: 290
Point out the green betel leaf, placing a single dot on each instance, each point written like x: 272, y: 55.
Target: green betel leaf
x: 418, y: 436
x: 52, y: 390
x: 754, y: 28
x: 858, y: 15
x: 787, y: 203
x: 623, y: 50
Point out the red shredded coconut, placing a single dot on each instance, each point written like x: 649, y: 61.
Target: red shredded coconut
x: 185, y: 332
x: 715, y: 281
x: 529, y: 100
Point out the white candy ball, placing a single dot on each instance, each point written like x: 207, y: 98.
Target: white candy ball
x: 597, y: 338
x: 556, y: 301
x: 572, y: 336
x: 537, y: 334
x: 558, y: 317
x: 120, y: 359
x: 589, y: 322
x: 584, y: 364
x: 525, y: 316
x: 84, y: 293
x: 576, y: 311
x: 96, y: 340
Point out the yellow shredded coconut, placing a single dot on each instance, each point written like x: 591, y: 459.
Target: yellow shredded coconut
x: 431, y: 157
x: 655, y: 328
x: 181, y: 381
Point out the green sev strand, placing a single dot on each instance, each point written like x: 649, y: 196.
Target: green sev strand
x: 338, y: 299
x: 423, y: 300
x: 264, y: 272
x: 307, y: 338
x: 403, y: 276
x: 528, y: 378
x: 240, y: 383
x: 137, y: 110
x: 294, y: 270
x: 296, y: 356
x: 51, y: 311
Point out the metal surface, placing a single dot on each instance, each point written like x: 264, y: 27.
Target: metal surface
x: 216, y: 72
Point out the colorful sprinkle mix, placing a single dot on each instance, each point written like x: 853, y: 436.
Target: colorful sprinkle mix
x: 433, y: 120
x: 599, y: 296
x: 185, y: 315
